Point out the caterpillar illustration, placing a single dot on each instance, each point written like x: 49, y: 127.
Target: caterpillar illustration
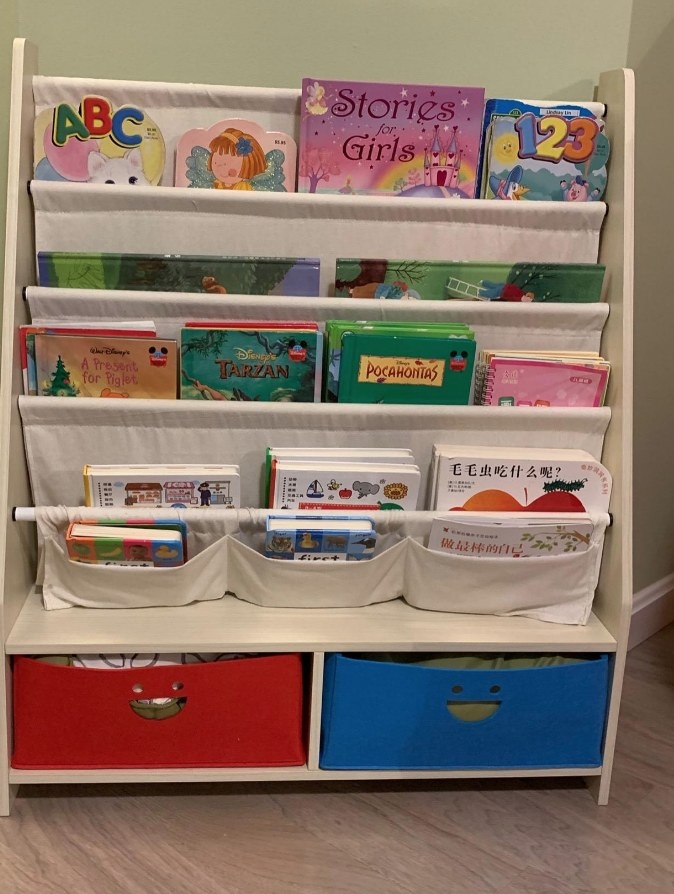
x: 567, y: 486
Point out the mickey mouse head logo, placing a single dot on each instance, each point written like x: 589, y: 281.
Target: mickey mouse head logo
x: 297, y: 350
x: 158, y: 356
x: 458, y: 361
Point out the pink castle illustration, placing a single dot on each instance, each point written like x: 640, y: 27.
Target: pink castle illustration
x: 442, y: 162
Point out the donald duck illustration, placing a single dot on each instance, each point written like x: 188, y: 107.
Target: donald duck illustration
x: 511, y: 188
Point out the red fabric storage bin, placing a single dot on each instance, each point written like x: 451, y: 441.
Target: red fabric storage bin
x: 245, y: 712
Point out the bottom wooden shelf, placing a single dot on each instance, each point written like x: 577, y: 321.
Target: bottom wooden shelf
x: 230, y: 624
x: 275, y: 774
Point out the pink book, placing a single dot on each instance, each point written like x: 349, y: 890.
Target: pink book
x: 516, y: 382
x: 389, y: 139
x: 236, y: 154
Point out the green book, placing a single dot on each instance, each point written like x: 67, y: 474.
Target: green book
x: 374, y: 278
x: 336, y: 329
x: 405, y: 369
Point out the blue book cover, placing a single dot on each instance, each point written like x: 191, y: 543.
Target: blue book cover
x: 251, y: 364
x: 320, y: 538
x: 220, y: 275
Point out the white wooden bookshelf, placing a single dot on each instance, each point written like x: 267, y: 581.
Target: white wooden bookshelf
x: 308, y: 225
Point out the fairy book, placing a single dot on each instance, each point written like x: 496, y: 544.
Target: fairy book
x: 238, y: 363
x: 218, y: 275
x: 97, y: 366
x: 406, y: 280
x: 389, y: 139
x: 236, y: 154
x: 96, y: 141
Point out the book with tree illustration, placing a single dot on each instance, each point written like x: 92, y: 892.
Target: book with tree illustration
x: 236, y: 154
x: 98, y: 366
x: 389, y: 139
x: 378, y: 278
x: 180, y: 273
x: 237, y: 363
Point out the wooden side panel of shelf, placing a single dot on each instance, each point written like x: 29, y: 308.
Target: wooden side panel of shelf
x: 613, y: 601
x: 17, y: 546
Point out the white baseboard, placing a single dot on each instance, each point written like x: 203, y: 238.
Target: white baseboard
x: 652, y: 609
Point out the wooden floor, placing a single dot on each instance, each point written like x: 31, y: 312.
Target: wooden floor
x: 363, y: 838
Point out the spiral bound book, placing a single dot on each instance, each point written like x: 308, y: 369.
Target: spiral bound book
x: 521, y: 382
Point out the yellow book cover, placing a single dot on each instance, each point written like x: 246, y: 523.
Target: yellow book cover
x: 99, y: 366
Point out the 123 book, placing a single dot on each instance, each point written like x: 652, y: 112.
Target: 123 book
x: 389, y: 139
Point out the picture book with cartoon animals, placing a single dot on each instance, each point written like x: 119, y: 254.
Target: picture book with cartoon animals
x: 180, y: 273
x: 544, y: 151
x: 97, y: 366
x: 236, y: 154
x: 406, y: 280
x: 96, y: 142
x: 251, y: 364
x: 320, y: 539
x: 389, y: 139
x: 116, y: 545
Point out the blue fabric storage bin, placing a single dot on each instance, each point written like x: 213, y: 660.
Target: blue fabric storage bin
x: 385, y: 715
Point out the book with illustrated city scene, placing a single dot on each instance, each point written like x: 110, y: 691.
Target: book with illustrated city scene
x: 220, y: 275
x: 416, y: 140
x: 409, y: 280
x: 156, y: 486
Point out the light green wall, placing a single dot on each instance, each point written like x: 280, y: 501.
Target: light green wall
x: 650, y: 54
x: 525, y: 48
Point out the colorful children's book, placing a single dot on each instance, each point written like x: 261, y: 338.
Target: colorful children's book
x: 97, y: 366
x: 116, y: 545
x: 172, y: 524
x: 518, y: 380
x: 320, y: 538
x: 389, y: 139
x: 175, y: 486
x: 405, y: 369
x: 440, y: 280
x: 251, y: 364
x: 180, y: 273
x: 519, y: 536
x: 336, y: 329
x: 97, y: 142
x: 333, y: 454
x: 236, y: 154
x: 517, y: 479
x: 313, y: 485
x: 535, y: 150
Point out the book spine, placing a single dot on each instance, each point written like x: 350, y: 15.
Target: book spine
x: 488, y: 387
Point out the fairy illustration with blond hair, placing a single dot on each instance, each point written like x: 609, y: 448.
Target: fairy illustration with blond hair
x: 231, y: 155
